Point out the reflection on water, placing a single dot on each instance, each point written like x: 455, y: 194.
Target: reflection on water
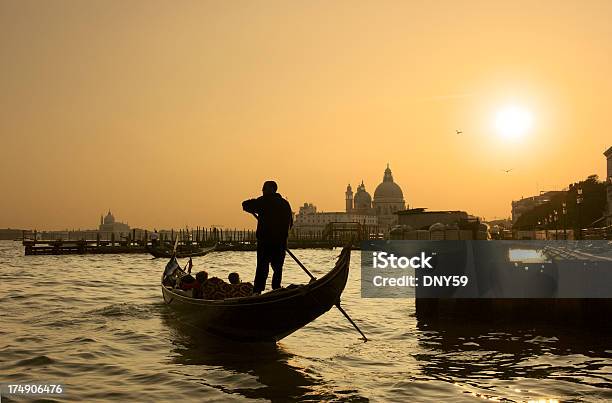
x: 261, y: 370
x: 545, y: 358
x: 102, y: 330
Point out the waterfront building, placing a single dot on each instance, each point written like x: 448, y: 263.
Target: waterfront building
x: 419, y: 218
x: 10, y: 233
x: 520, y: 207
x: 310, y: 221
x: 417, y: 223
x: 108, y: 224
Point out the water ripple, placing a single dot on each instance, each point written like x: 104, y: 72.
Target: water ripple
x: 97, y: 324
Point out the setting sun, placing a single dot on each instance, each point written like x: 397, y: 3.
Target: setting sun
x: 513, y: 122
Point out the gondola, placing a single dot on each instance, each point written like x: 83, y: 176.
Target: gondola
x: 268, y: 317
x: 180, y: 253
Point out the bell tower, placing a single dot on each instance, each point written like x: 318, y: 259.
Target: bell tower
x: 349, y: 199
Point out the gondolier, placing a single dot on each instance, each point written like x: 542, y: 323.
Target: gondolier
x: 274, y: 221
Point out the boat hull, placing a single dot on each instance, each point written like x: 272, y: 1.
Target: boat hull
x: 159, y: 253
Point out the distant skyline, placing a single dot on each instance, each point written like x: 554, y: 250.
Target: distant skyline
x: 172, y: 113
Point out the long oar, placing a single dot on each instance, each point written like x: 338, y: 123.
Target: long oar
x: 337, y: 305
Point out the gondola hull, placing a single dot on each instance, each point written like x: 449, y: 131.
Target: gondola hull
x: 167, y: 253
x: 268, y: 317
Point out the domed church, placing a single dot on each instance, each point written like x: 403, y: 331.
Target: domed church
x: 360, y: 208
x: 108, y: 224
x: 388, y: 199
x: 361, y: 203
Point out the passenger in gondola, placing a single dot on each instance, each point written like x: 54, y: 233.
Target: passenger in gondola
x: 201, y: 279
x: 192, y: 286
x: 215, y: 288
x: 237, y: 287
x: 274, y: 219
x: 234, y: 278
x: 185, y: 285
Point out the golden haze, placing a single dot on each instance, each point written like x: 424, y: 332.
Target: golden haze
x: 172, y: 113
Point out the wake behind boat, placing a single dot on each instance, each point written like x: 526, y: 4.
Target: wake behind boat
x: 261, y: 318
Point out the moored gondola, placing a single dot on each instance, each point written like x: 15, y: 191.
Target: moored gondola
x: 262, y: 318
x: 182, y: 252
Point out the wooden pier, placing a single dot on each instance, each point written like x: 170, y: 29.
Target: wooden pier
x: 137, y: 241
x: 79, y: 247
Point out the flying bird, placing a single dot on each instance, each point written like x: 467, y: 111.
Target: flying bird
x: 507, y: 170
x: 459, y: 131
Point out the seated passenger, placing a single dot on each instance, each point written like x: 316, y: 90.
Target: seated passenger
x: 193, y: 285
x: 201, y: 279
x: 238, y: 288
x: 185, y: 282
x: 202, y: 276
x: 215, y: 288
x: 234, y: 278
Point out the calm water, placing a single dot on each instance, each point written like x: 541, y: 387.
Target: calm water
x: 97, y: 324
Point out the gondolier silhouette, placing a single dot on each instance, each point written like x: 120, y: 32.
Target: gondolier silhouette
x: 273, y: 224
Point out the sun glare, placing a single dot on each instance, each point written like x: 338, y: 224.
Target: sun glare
x: 513, y: 122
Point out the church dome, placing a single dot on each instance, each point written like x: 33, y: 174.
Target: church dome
x: 388, y: 189
x: 362, y: 199
x: 109, y: 219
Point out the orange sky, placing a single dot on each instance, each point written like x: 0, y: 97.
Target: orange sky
x: 172, y: 113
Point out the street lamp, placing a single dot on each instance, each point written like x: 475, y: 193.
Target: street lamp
x: 556, y: 217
